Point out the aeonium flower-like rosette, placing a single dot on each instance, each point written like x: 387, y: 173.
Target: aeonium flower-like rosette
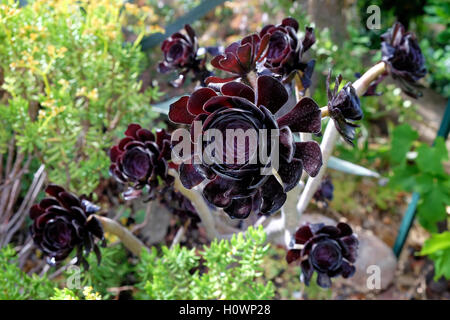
x: 328, y: 250
x: 240, y: 58
x: 139, y: 159
x: 285, y: 51
x: 62, y: 222
x: 344, y: 107
x: 239, y: 179
x: 325, y: 192
x: 401, y: 52
x: 180, y: 53
x: 179, y: 50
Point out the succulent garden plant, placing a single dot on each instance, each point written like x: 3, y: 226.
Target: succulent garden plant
x: 240, y: 188
x: 180, y: 53
x: 285, y: 52
x: 62, y: 223
x: 140, y: 159
x: 328, y: 250
x: 401, y: 51
x: 258, y: 109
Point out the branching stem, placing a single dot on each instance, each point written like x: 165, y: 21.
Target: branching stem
x: 129, y: 240
x: 331, y: 134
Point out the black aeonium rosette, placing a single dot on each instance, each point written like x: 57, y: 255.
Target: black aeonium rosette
x: 328, y: 250
x: 325, y: 192
x: 344, y: 106
x: 285, y: 51
x: 180, y: 53
x: 401, y: 52
x: 240, y: 57
x: 140, y: 159
x: 62, y: 223
x: 240, y: 187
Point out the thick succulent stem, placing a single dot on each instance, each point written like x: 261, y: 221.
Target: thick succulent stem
x: 250, y: 79
x: 330, y: 137
x: 289, y: 218
x: 129, y: 240
x: 328, y: 142
x: 324, y: 111
x: 199, y: 204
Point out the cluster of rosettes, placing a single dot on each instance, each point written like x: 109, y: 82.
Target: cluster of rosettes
x: 328, y: 250
x: 180, y: 53
x: 250, y: 98
x: 141, y: 160
x: 275, y: 50
x: 241, y: 188
x: 62, y: 223
x: 401, y: 52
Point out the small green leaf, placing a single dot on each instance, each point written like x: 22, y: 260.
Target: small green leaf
x: 437, y: 242
x: 432, y: 209
x: 429, y: 159
x: 404, y: 177
x: 442, y: 264
x: 403, y: 137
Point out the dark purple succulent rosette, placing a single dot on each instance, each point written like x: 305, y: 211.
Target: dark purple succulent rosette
x: 240, y: 188
x: 62, y: 223
x: 328, y: 250
x: 325, y: 192
x: 180, y: 53
x: 406, y: 63
x: 240, y: 58
x: 285, y: 52
x: 140, y: 159
x: 344, y: 106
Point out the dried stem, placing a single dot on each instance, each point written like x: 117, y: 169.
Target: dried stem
x: 13, y: 223
x: 176, y: 240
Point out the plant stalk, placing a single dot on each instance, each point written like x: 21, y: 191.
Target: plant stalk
x: 200, y: 205
x: 330, y: 137
x: 129, y: 240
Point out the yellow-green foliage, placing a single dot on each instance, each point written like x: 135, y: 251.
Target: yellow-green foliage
x: 225, y: 270
x: 69, y: 83
x: 67, y: 294
x: 16, y: 284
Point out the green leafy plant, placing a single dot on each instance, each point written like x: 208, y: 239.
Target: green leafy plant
x: 16, y: 284
x: 437, y: 46
x: 110, y: 273
x: 438, y: 249
x: 69, y: 84
x: 224, y: 270
x: 423, y: 173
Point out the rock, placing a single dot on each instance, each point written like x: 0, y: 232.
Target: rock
x: 158, y: 221
x: 373, y: 256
